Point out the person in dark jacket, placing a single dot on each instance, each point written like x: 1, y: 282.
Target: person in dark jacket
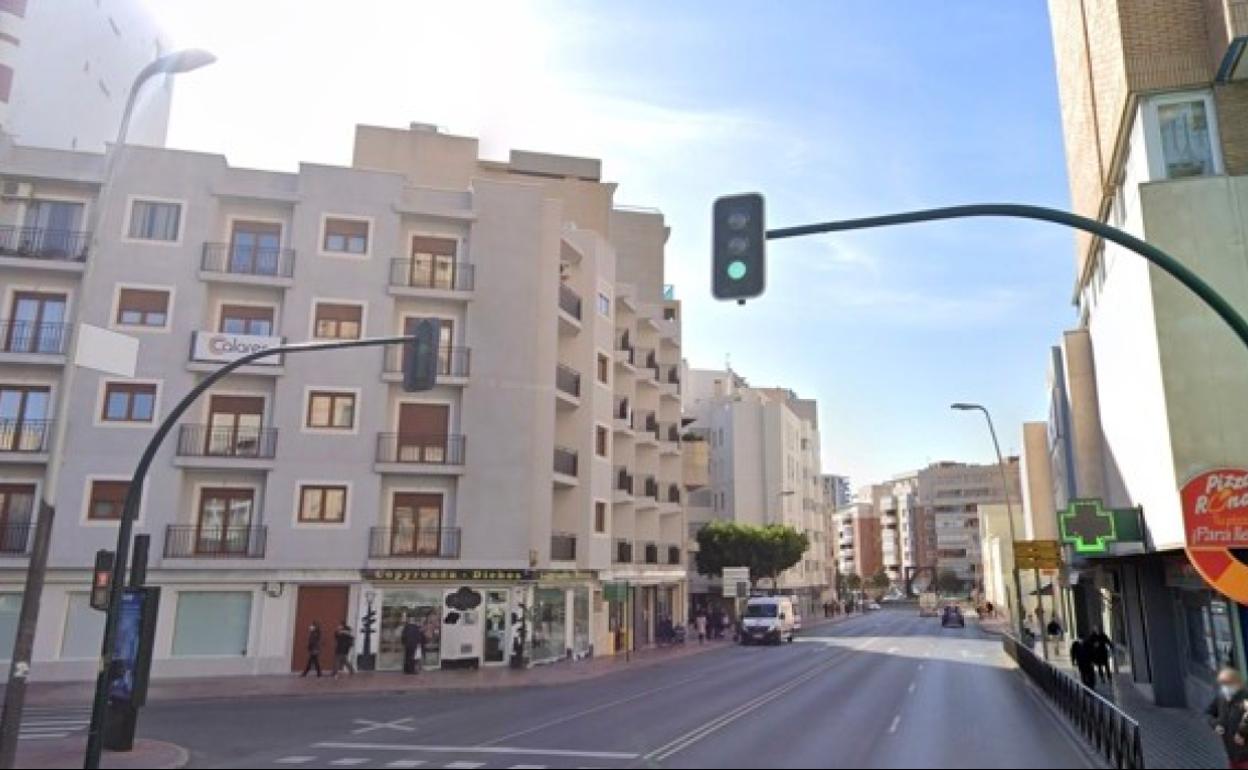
x: 344, y: 640
x: 314, y: 649
x: 1227, y: 717
x: 1102, y: 647
x: 413, y: 638
x: 1081, y: 656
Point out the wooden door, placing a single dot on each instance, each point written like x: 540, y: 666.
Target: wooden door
x: 326, y: 605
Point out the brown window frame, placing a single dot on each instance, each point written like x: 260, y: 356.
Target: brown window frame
x: 604, y: 369
x: 146, y: 307
x: 352, y: 230
x: 600, y: 517
x: 116, y: 491
x: 333, y: 396
x: 337, y: 313
x: 249, y: 314
x: 323, y: 490
x: 130, y: 389
x: 602, y: 441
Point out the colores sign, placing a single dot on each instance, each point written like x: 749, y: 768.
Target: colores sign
x: 215, y: 346
x: 1215, y: 520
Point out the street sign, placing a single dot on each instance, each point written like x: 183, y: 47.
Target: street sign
x: 1037, y: 554
x: 734, y: 578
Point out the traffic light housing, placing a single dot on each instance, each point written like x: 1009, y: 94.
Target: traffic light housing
x: 102, y: 580
x: 420, y: 356
x: 738, y: 247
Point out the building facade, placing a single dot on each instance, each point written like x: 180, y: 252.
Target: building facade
x: 859, y: 536
x: 312, y: 487
x: 953, y: 493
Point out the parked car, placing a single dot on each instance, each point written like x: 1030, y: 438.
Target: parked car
x: 952, y: 618
x: 873, y: 606
x: 768, y: 619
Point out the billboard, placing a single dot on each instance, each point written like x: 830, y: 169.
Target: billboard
x: 1215, y: 520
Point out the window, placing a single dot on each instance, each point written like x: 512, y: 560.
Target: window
x: 247, y: 319
x: 255, y: 248
x: 1186, y: 143
x: 36, y: 323
x: 337, y: 322
x: 83, y: 627
x: 602, y: 441
x: 604, y: 369
x: 212, y: 623
x: 433, y: 262
x: 322, y: 504
x: 155, y: 221
x: 107, y: 499
x: 346, y: 236
x: 331, y: 410
x: 129, y: 402
x: 143, y: 307
x: 600, y: 516
x: 604, y: 304
x: 669, y: 314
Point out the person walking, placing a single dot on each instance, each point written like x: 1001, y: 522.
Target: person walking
x: 413, y: 639
x: 1081, y: 656
x: 344, y: 640
x: 314, y: 649
x: 1101, y: 649
x: 1227, y: 717
x: 700, y: 624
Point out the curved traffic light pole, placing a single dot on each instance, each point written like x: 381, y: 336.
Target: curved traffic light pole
x: 1153, y: 254
x: 134, y: 495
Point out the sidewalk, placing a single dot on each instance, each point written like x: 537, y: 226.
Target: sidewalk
x: 147, y: 755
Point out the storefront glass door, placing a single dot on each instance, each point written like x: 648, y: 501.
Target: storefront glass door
x: 496, y: 626
x: 424, y: 606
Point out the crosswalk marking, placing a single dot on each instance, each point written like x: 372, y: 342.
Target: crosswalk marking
x: 528, y: 767
x: 296, y: 760
x: 462, y: 765
x: 406, y: 763
x: 48, y: 723
x: 347, y: 761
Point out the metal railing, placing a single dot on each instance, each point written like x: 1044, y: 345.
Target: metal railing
x: 414, y: 542
x: 623, y: 552
x: 237, y: 259
x: 198, y: 542
x: 1111, y: 732
x: 420, y: 449
x: 405, y: 273
x: 623, y: 480
x: 32, y: 436
x: 15, y: 538
x: 245, y: 443
x: 566, y: 461
x: 562, y: 546
x: 44, y: 243
x: 673, y: 554
x: 568, y: 380
x: 26, y: 337
x: 651, y: 552
x: 452, y: 361
x: 569, y: 301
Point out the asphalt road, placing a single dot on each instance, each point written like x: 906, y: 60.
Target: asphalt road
x: 886, y: 690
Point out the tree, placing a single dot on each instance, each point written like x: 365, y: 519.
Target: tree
x: 948, y: 582
x: 879, y: 581
x: 767, y: 551
x: 853, y: 581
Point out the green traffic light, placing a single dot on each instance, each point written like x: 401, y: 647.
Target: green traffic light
x: 736, y: 270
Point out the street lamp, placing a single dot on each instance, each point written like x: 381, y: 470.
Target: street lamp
x: 1009, y: 508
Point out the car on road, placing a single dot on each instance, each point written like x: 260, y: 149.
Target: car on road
x: 873, y: 606
x: 768, y: 620
x: 952, y: 617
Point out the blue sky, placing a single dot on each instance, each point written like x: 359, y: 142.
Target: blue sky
x: 831, y: 109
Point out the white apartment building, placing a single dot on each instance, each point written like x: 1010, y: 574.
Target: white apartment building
x: 66, y: 67
x: 764, y: 469
x: 954, y: 492
x: 539, y: 482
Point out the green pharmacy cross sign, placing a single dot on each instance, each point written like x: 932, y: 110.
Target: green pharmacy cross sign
x: 1089, y: 526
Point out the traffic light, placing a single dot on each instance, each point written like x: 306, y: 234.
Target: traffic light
x: 420, y: 356
x: 738, y: 243
x: 102, y: 580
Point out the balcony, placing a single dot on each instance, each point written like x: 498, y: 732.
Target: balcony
x: 55, y: 249
x: 454, y: 365
x: 25, y: 441
x: 225, y: 447
x: 650, y: 552
x: 410, y: 279
x: 566, y: 466
x: 669, y: 439
x: 623, y: 552
x: 673, y: 554
x: 15, y: 538
x: 236, y: 263
x: 23, y: 342
x: 623, y: 484
x: 649, y: 359
x: 649, y: 492
x: 568, y: 385
x: 195, y: 542
x: 421, y: 454
x: 669, y: 380
x: 569, y: 309
x: 562, y: 546
x: 413, y: 543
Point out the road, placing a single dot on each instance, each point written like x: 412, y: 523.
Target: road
x: 886, y: 690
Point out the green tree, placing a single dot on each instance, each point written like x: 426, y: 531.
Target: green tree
x: 879, y: 581
x: 853, y: 581
x: 767, y: 551
x: 948, y: 582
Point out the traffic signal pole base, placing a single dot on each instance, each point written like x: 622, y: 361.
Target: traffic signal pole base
x: 366, y: 661
x: 120, y: 722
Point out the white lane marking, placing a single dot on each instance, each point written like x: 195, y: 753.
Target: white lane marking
x: 34, y: 722
x: 528, y: 767
x: 894, y: 650
x: 349, y: 761
x: 37, y: 736
x: 893, y: 727
x: 433, y: 749
x: 294, y: 760
x: 406, y: 763
x: 912, y: 687
x: 462, y: 765
x: 370, y: 725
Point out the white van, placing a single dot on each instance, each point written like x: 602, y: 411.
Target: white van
x: 768, y: 619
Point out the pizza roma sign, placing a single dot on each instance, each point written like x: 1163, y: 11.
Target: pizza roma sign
x: 1215, y: 520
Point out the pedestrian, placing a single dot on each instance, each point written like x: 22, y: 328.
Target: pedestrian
x: 1055, y: 630
x: 344, y: 640
x: 413, y: 639
x: 700, y: 623
x: 314, y: 649
x: 1227, y: 717
x: 1102, y: 646
x: 1081, y: 656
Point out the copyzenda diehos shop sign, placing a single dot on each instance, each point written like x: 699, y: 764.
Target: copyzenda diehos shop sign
x: 1215, y: 521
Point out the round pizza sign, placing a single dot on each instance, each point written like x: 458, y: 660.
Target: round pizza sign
x: 1215, y: 520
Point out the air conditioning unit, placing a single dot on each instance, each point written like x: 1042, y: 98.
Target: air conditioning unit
x: 13, y: 189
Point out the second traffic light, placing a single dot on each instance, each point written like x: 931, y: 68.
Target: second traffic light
x: 420, y: 356
x: 738, y: 247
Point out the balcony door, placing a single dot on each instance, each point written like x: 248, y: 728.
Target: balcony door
x: 52, y: 228
x: 423, y: 432
x: 446, y: 338
x: 255, y: 248
x: 433, y: 262
x: 234, y: 426
x: 224, y: 520
x: 37, y: 323
x: 417, y: 524
x: 23, y: 418
x: 17, y: 506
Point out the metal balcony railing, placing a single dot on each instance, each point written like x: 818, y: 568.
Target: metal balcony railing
x: 414, y: 542
x: 15, y: 538
x: 195, y: 542
x: 673, y: 554
x: 452, y: 361
x: 420, y: 449
x: 406, y: 272
x: 562, y: 546
x: 569, y: 301
x: 26, y: 337
x: 568, y: 380
x: 30, y: 436
x: 245, y: 443
x: 44, y: 243
x: 623, y: 552
x: 251, y: 260
x: 566, y: 461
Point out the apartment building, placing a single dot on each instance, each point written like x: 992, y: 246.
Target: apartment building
x: 1146, y: 390
x: 85, y: 53
x: 953, y: 493
x: 836, y: 492
x: 860, y: 540
x: 492, y: 509
x: 764, y: 468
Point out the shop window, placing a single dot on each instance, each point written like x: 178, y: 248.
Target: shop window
x: 212, y: 623
x: 83, y: 628
x: 10, y: 606
x: 550, y: 613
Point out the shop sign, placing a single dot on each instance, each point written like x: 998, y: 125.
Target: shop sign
x: 615, y: 592
x: 219, y: 346
x: 455, y: 575
x: 560, y: 575
x: 1215, y: 520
